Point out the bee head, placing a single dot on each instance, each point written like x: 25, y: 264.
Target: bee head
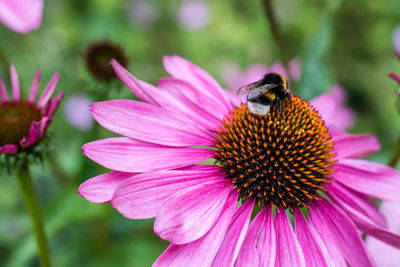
x: 275, y: 78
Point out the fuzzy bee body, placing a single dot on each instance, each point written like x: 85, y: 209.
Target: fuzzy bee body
x: 270, y: 90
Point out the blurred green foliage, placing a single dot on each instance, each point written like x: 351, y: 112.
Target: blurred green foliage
x: 349, y: 43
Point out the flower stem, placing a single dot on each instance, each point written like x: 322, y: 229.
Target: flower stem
x: 394, y: 158
x: 32, y: 204
x: 277, y: 34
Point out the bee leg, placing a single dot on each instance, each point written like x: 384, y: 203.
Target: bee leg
x: 279, y: 106
x: 288, y: 95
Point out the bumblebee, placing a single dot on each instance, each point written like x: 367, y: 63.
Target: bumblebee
x: 270, y: 90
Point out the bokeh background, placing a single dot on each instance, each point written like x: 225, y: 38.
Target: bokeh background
x: 341, y: 42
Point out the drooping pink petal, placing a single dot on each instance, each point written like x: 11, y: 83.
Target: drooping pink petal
x: 369, y: 178
x: 21, y: 16
x: 142, y: 196
x: 8, y: 149
x: 149, y: 123
x: 259, y: 245
x: 344, y: 197
x: 3, y: 92
x: 288, y: 251
x: 34, y: 87
x: 202, y: 251
x: 48, y: 91
x: 101, y: 188
x: 354, y: 145
x: 15, y: 84
x: 364, y: 217
x: 234, y: 237
x: 190, y: 213
x: 314, y: 249
x: 129, y: 155
x: 181, y: 68
x: 336, y: 228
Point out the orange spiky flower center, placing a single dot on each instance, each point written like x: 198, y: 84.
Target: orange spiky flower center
x: 279, y: 159
x: 15, y: 121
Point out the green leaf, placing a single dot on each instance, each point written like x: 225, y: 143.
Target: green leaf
x: 315, y: 78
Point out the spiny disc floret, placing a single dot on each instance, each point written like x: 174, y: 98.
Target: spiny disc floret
x: 280, y: 159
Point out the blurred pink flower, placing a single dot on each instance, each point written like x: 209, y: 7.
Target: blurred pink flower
x: 259, y: 161
x: 21, y: 15
x: 235, y: 78
x: 194, y: 14
x: 23, y: 123
x: 77, y: 112
x: 396, y: 39
x: 143, y: 14
x: 394, y: 76
x: 384, y: 254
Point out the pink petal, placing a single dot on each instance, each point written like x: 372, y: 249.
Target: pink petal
x: 234, y: 237
x: 330, y: 106
x: 383, y: 254
x: 288, y: 251
x: 395, y: 77
x: 3, y: 92
x: 259, y: 246
x: 355, y: 145
x: 21, y: 16
x: 144, y: 91
x: 34, y: 134
x: 202, y: 251
x: 101, y: 188
x: 15, y: 84
x: 149, y: 123
x: 49, y: 90
x: 201, y: 104
x: 181, y: 68
x: 190, y: 213
x: 346, y: 197
x: 129, y: 155
x: 55, y: 103
x: 142, y: 196
x: 336, y: 228
x: 375, y: 227
x: 34, y: 87
x: 314, y: 249
x: 8, y: 149
x: 369, y: 178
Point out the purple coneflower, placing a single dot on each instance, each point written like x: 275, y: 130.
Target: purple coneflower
x: 21, y: 15
x: 76, y: 111
x: 267, y: 166
x: 24, y: 122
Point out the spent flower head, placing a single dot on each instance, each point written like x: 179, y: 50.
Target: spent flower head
x: 298, y: 161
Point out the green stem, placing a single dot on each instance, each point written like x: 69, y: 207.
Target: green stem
x: 277, y: 35
x: 32, y: 204
x: 394, y: 158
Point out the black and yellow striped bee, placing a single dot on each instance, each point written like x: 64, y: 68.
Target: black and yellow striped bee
x: 262, y: 94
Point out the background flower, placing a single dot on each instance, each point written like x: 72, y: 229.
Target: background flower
x: 21, y: 15
x: 23, y: 123
x: 194, y: 14
x: 76, y: 111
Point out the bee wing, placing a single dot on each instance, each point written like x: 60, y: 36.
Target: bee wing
x: 245, y: 89
x: 261, y: 88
